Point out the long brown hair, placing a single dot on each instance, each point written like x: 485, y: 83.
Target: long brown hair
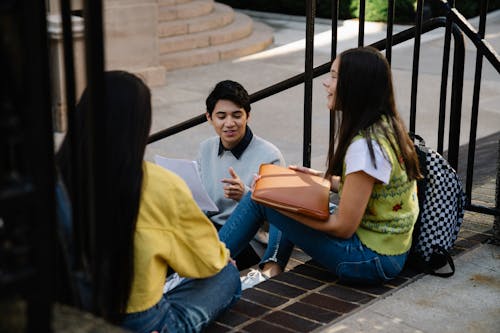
x: 126, y: 120
x: 364, y: 94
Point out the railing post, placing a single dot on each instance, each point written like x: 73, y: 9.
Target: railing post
x: 416, y: 59
x: 457, y: 85
x: 308, y: 79
x: 361, y: 27
x: 96, y: 194
x: 496, y: 223
x: 444, y: 79
x: 475, y: 103
x: 390, y: 23
x: 335, y: 21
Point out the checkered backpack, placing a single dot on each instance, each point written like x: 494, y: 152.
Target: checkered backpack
x: 441, y: 201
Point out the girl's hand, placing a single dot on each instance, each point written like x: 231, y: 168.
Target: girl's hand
x: 234, y: 188
x: 305, y: 170
x: 233, y: 262
x: 334, y: 183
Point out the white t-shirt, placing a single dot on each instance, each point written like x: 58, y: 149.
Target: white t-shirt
x: 357, y: 158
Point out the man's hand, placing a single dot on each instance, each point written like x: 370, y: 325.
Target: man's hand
x: 234, y: 188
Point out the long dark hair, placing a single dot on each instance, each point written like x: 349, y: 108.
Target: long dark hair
x: 365, y: 94
x: 126, y: 121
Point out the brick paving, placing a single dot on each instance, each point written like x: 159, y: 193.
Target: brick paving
x: 307, y: 297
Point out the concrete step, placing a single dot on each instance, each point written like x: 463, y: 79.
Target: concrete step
x: 195, y: 8
x: 220, y: 16
x: 260, y: 38
x: 172, y: 2
x: 240, y: 28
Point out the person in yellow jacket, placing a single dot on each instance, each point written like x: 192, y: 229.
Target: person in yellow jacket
x: 154, y: 224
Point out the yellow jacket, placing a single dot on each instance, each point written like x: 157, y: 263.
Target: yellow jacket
x: 171, y: 232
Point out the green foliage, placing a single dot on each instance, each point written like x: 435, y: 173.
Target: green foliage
x: 324, y: 9
x: 470, y: 8
x: 292, y: 7
x: 376, y: 10
x: 467, y: 8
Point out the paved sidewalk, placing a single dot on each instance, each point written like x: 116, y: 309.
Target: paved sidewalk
x: 467, y: 302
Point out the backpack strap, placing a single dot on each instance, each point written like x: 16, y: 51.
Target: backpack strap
x: 439, y: 259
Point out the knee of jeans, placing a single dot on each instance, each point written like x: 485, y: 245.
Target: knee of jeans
x: 148, y: 320
x: 235, y: 285
x: 367, y: 271
x: 233, y: 279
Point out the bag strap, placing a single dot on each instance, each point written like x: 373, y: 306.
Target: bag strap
x: 416, y: 137
x: 449, y: 260
x: 427, y: 267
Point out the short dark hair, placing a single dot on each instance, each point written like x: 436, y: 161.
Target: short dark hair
x: 228, y: 90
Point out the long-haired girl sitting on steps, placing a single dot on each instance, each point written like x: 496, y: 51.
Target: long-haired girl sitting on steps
x: 153, y: 224
x: 374, y: 168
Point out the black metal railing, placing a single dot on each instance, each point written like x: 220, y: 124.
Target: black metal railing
x: 27, y: 198
x: 455, y: 26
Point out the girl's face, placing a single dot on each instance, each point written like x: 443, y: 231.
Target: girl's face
x: 330, y: 84
x: 229, y: 121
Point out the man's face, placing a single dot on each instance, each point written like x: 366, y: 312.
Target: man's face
x: 229, y: 121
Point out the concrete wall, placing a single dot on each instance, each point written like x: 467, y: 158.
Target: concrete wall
x: 131, y: 38
x: 130, y: 41
x: 56, y: 57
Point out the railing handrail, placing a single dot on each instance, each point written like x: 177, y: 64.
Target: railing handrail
x: 293, y: 81
x: 455, y: 25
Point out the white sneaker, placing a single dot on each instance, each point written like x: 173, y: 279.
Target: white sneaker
x: 254, y: 277
x: 172, y: 281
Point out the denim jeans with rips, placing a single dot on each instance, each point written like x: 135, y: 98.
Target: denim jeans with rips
x: 278, y: 249
x: 189, y: 307
x: 348, y: 259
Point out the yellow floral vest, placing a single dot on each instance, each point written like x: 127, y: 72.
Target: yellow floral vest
x: 387, y: 225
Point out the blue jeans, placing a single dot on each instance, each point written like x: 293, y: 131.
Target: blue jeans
x: 278, y: 249
x: 349, y: 259
x: 191, y: 306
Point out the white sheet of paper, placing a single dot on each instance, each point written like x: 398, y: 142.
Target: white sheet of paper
x: 188, y: 170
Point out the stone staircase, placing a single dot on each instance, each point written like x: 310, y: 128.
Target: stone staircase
x: 199, y: 32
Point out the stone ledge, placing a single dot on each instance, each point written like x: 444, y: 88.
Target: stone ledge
x: 65, y: 319
x: 239, y: 28
x: 221, y: 16
x: 260, y: 38
x: 68, y: 319
x: 186, y: 10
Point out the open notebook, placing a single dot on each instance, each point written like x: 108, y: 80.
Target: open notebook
x: 188, y: 170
